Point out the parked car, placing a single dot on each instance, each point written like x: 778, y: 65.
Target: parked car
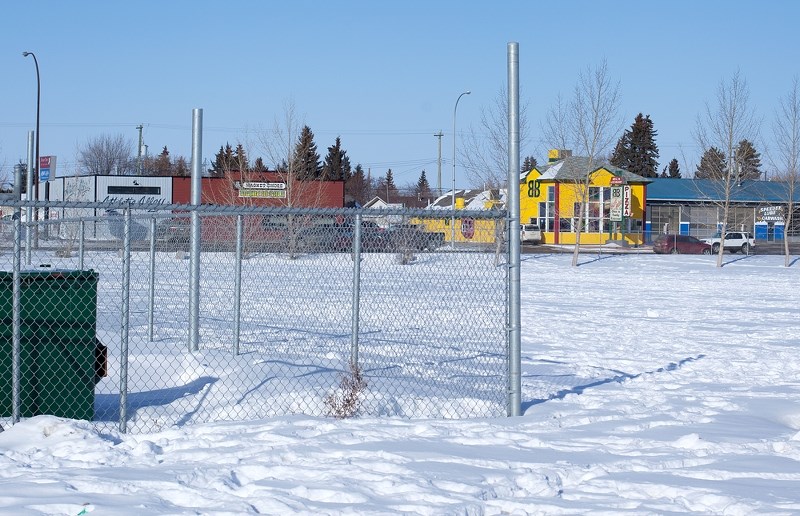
x: 403, y: 237
x: 530, y: 233
x: 734, y: 241
x: 116, y: 226
x: 680, y: 244
x: 339, y: 238
x: 174, y: 230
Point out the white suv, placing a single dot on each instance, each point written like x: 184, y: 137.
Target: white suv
x: 530, y: 233
x: 734, y: 241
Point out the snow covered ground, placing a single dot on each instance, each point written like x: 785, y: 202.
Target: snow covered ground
x: 651, y: 385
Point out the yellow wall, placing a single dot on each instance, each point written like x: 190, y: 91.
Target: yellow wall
x: 484, y: 230
x: 533, y: 191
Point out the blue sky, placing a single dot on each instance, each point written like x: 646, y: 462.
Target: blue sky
x: 382, y: 75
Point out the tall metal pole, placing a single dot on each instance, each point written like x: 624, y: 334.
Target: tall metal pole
x: 439, y: 175
x: 512, y: 195
x: 139, y: 151
x: 194, y: 258
x: 29, y: 197
x: 453, y: 218
x: 35, y: 170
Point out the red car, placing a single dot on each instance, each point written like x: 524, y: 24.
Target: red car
x: 680, y: 244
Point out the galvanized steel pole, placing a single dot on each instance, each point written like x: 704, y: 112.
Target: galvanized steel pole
x: 194, y: 258
x: 453, y: 193
x: 125, y: 323
x: 237, y: 285
x: 29, y: 197
x: 151, y: 288
x: 513, y: 203
x: 356, y: 295
x: 16, y: 316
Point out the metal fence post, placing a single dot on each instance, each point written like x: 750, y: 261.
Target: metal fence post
x: 237, y: 288
x: 151, y: 291
x: 81, y: 243
x: 16, y: 314
x: 194, y: 257
x: 125, y: 323
x: 514, y: 263
x: 356, y: 290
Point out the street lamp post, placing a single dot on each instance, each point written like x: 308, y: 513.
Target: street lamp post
x: 35, y: 168
x: 453, y: 194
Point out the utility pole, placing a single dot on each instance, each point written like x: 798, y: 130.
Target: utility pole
x: 439, y: 176
x: 139, y: 152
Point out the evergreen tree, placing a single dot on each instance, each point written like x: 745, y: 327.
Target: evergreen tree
x: 357, y: 186
x: 636, y: 150
x: 223, y: 161
x: 240, y: 163
x: 385, y: 187
x: 748, y: 161
x: 181, y: 167
x: 162, y: 165
x: 258, y: 166
x: 529, y: 164
x: 673, y: 170
x: 336, y: 166
x: 306, y: 160
x: 423, y: 188
x: 712, y: 165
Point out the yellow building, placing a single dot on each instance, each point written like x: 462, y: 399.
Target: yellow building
x: 610, y: 205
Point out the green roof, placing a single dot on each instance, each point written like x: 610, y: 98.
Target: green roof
x: 574, y: 168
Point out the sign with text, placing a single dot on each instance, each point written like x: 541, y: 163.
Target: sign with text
x: 627, y: 210
x: 615, y: 211
x: 47, y: 168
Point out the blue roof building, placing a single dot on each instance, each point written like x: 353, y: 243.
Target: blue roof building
x: 695, y: 207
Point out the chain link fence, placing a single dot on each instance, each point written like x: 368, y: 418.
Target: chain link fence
x: 320, y: 312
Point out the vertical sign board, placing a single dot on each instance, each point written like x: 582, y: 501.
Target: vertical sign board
x: 47, y: 168
x: 615, y: 213
x: 627, y: 211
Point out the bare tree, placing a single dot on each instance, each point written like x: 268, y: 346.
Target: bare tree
x: 589, y: 124
x: 281, y: 149
x: 105, y: 155
x: 485, y: 149
x: 786, y: 128
x: 723, y: 125
x: 556, y: 128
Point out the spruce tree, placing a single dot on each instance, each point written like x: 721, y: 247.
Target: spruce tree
x: 672, y: 171
x: 748, y: 161
x: 636, y: 150
x: 423, y: 189
x: 223, y: 161
x: 336, y: 166
x: 712, y: 165
x: 258, y: 166
x: 357, y: 186
x: 239, y: 162
x: 528, y: 164
x: 162, y: 165
x: 305, y: 158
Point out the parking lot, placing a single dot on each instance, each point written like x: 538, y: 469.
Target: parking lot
x: 762, y: 247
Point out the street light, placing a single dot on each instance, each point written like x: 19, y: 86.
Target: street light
x: 453, y: 219
x: 35, y: 169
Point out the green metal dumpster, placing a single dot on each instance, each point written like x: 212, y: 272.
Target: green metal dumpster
x: 58, y: 346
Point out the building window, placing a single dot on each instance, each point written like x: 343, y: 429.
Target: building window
x: 134, y: 190
x: 547, y: 211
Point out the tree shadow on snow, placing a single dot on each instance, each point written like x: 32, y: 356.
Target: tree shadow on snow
x: 619, y: 378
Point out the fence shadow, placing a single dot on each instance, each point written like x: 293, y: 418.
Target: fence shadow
x: 618, y: 378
